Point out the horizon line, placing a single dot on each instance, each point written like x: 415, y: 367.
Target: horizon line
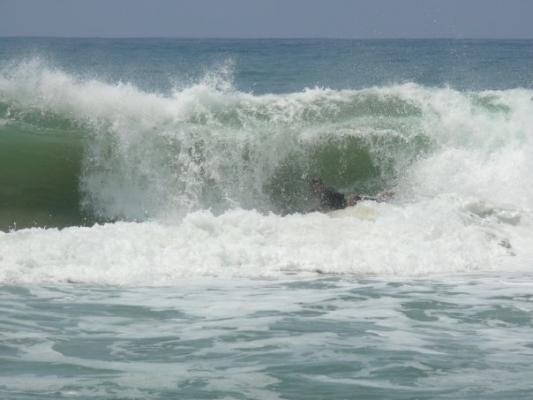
x: 259, y: 37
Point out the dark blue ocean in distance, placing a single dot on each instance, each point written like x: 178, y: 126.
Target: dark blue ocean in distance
x: 284, y: 66
x: 159, y: 238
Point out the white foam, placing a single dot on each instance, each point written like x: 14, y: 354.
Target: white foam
x: 426, y: 238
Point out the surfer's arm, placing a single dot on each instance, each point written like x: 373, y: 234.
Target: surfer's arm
x: 382, y: 196
x: 353, y: 199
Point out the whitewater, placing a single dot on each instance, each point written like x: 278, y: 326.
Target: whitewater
x: 159, y: 237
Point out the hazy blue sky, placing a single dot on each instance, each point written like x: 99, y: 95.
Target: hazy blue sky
x: 269, y: 18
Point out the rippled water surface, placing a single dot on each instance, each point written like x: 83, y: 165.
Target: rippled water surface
x: 452, y: 338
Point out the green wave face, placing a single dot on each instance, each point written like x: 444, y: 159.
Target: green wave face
x: 349, y: 164
x: 40, y: 167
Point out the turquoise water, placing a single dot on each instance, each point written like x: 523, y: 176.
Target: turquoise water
x: 466, y: 338
x: 155, y: 239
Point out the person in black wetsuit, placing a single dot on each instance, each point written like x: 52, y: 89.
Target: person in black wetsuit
x: 331, y: 199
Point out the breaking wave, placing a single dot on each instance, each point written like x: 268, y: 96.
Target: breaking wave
x: 213, y: 164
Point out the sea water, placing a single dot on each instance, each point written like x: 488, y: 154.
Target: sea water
x: 157, y: 239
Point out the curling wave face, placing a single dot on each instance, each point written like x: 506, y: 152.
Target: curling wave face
x: 458, y: 161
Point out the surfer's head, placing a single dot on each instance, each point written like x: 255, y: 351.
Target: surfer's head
x: 317, y: 186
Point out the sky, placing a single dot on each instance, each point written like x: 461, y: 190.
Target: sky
x: 268, y: 18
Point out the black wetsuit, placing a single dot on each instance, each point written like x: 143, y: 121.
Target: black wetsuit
x: 332, y: 200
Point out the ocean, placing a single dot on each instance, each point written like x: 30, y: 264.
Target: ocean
x: 158, y: 238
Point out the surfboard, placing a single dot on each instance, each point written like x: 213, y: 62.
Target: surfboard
x: 359, y: 211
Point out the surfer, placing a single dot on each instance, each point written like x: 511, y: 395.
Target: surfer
x: 331, y: 200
